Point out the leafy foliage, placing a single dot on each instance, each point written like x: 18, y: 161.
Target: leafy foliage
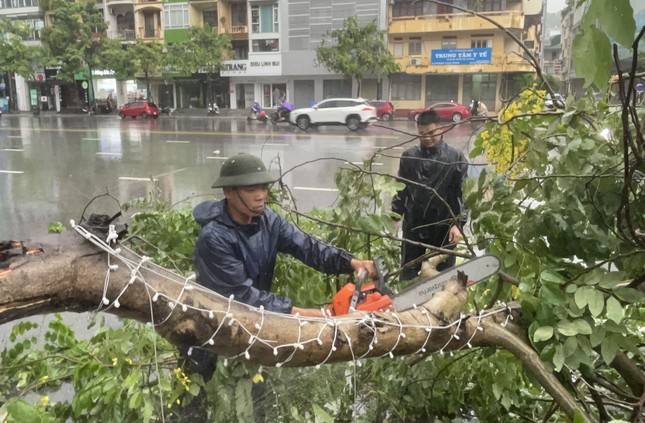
x: 15, y: 55
x: 355, y: 50
x: 76, y: 38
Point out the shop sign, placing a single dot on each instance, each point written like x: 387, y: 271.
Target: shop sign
x: 259, y: 65
x: 462, y: 56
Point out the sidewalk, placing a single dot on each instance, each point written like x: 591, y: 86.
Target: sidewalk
x: 178, y: 113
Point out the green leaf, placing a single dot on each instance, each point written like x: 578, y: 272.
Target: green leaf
x: 321, y: 415
x: 552, y: 294
x: 592, y: 56
x: 596, y: 302
x: 582, y: 296
x: 543, y: 334
x: 629, y: 295
x: 572, y: 328
x: 608, y: 349
x: 615, y: 310
x: 615, y: 18
x: 22, y: 412
x: 558, y: 358
x: 549, y: 275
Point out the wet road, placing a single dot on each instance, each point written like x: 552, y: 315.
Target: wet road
x: 51, y: 167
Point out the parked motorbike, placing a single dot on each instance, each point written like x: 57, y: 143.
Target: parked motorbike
x: 166, y: 110
x: 257, y: 113
x: 282, y: 113
x: 213, y: 109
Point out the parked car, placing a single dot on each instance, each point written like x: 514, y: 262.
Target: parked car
x: 356, y: 113
x: 447, y: 110
x: 384, y: 109
x: 139, y: 108
x: 548, y: 102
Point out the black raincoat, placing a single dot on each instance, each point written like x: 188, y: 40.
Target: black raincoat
x: 427, y: 213
x: 239, y: 259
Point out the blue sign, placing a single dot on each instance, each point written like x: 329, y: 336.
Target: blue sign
x: 461, y: 56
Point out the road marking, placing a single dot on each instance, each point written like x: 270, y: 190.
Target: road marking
x: 11, y: 171
x: 316, y: 189
x: 236, y: 134
x: 106, y: 153
x: 275, y: 144
x: 90, y: 139
x: 216, y: 158
x: 14, y: 136
x: 14, y: 149
x: 361, y: 163
x: 132, y: 178
x: 177, y: 142
x: 169, y: 173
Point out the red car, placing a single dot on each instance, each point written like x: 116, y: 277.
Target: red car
x: 139, y: 108
x: 384, y: 109
x: 446, y: 111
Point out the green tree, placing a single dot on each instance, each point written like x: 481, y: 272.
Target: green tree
x: 15, y: 55
x: 76, y: 38
x: 356, y: 50
x: 204, y: 50
x: 563, y: 210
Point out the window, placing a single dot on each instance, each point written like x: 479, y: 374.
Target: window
x: 398, y: 49
x: 483, y: 83
x: 175, y: 15
x: 238, y: 14
x: 264, y: 18
x: 8, y: 4
x: 265, y: 45
x: 240, y: 49
x: 481, y: 41
x: 445, y: 9
x: 407, y: 8
x: 210, y: 18
x: 414, y: 47
x: 406, y: 87
x: 485, y: 5
x: 449, y: 42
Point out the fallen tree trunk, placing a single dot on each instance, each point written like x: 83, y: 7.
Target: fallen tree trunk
x: 67, y: 273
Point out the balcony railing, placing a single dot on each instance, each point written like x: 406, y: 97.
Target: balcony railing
x: 553, y: 67
x: 123, y: 34
x: 239, y: 29
x: 455, y: 22
x: 149, y: 32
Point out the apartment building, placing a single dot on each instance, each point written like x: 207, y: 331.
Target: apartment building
x: 274, y: 49
x: 14, y: 89
x: 447, y: 54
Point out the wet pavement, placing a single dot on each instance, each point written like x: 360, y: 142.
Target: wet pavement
x: 51, y: 167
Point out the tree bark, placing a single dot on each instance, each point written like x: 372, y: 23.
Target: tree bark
x: 68, y: 273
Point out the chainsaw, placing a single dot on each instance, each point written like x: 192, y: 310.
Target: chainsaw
x: 377, y: 296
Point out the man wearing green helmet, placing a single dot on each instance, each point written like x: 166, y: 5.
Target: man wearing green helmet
x: 240, y: 239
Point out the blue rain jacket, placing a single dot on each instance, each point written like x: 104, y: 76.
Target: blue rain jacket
x: 239, y: 259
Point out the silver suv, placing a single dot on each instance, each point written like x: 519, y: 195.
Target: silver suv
x: 356, y: 113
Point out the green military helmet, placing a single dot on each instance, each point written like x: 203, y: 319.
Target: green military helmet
x: 243, y: 170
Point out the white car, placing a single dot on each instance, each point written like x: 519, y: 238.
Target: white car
x: 356, y: 113
x: 552, y: 104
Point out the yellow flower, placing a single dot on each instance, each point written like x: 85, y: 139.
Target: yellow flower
x: 128, y: 360
x: 44, y: 379
x: 178, y: 402
x: 258, y: 378
x: 114, y: 361
x: 44, y: 401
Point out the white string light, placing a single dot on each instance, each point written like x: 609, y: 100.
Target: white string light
x: 365, y: 321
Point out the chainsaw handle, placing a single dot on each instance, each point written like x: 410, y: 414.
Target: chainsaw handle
x: 357, y: 291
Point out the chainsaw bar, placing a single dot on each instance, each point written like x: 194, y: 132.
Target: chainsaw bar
x: 477, y: 270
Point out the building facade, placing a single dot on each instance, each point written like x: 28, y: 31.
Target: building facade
x: 444, y: 52
x: 447, y: 54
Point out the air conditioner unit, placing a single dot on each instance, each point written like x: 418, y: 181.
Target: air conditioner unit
x: 415, y: 61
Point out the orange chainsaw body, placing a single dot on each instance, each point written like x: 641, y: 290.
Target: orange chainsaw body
x: 370, y: 299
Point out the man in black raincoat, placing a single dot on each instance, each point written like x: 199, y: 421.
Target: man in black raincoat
x: 431, y: 203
